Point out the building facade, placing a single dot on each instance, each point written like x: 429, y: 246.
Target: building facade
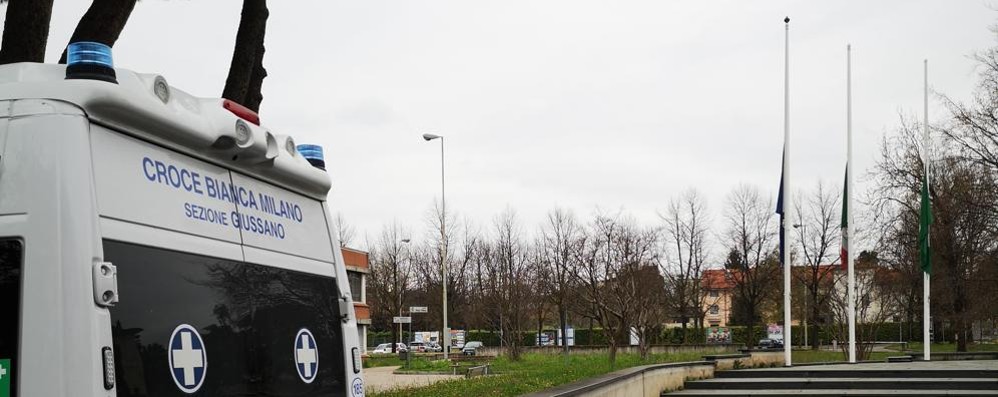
x: 718, y: 288
x: 358, y: 267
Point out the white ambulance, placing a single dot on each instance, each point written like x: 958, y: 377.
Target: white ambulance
x: 157, y: 244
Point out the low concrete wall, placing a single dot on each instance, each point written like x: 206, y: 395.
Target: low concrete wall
x: 655, y: 349
x: 766, y: 359
x: 951, y: 356
x: 747, y: 359
x: 647, y: 381
x: 723, y: 362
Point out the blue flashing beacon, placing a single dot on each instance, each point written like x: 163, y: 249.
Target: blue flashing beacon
x: 313, y: 153
x: 90, y: 61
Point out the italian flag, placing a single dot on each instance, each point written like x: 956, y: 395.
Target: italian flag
x: 844, y: 252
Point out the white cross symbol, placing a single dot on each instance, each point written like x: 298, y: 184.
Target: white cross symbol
x: 306, y: 355
x: 3, y: 371
x: 187, y: 358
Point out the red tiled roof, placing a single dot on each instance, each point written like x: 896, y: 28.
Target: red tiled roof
x: 717, y: 279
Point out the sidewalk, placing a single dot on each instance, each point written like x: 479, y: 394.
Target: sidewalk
x: 383, y: 378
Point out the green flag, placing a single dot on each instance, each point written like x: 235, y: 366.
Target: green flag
x: 925, y: 219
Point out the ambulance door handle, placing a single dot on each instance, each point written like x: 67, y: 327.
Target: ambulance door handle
x: 105, y: 284
x: 345, y: 305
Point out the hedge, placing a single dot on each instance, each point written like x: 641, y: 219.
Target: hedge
x: 674, y: 336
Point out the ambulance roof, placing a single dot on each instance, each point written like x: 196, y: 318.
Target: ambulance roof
x: 147, y: 107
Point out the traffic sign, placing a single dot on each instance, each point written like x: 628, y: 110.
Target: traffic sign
x: 402, y: 320
x: 417, y: 309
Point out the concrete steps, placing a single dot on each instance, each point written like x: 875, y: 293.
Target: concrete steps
x: 850, y: 380
x: 819, y: 372
x: 808, y: 392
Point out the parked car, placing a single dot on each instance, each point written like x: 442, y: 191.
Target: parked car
x: 386, y: 348
x: 471, y: 348
x: 434, y: 347
x: 417, y: 347
x: 770, y: 343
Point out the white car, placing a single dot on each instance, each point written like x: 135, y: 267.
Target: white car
x: 386, y: 348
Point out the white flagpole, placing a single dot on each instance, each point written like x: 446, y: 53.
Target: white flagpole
x: 925, y: 276
x: 851, y: 209
x: 786, y: 197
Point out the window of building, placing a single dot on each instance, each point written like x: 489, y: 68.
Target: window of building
x: 714, y: 309
x: 356, y: 286
x: 714, y: 293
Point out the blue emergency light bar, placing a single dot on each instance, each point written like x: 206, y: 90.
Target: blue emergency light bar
x: 90, y: 61
x: 313, y: 153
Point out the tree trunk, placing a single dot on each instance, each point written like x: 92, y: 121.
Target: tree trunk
x: 563, y: 320
x: 102, y: 23
x: 643, y: 345
x: 961, y: 334
x: 246, y: 72
x: 815, y: 313
x: 395, y: 337
x: 613, y: 352
x: 26, y: 31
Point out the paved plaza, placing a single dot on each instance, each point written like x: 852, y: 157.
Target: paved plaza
x: 384, y: 378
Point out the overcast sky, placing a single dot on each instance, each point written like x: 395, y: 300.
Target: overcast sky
x: 579, y: 104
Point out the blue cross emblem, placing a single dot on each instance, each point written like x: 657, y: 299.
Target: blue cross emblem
x: 188, y: 358
x: 306, y: 355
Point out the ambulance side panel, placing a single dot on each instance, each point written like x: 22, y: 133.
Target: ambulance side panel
x: 45, y: 175
x: 351, y: 341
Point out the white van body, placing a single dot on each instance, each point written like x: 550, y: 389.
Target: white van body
x: 136, y: 209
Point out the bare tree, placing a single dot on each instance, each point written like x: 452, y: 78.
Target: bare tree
x: 560, y: 238
x: 391, y: 277
x: 963, y: 238
x: 26, y: 31
x: 875, y: 304
x: 508, y: 281
x: 753, y: 262
x: 686, y: 232
x: 974, y: 126
x: 612, y: 258
x: 345, y: 232
x: 894, y: 215
x: 430, y: 272
x: 817, y: 234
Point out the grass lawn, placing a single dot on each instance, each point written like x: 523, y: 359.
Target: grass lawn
x: 535, y: 372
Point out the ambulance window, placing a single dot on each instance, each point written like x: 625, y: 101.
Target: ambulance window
x: 247, y: 320
x: 11, y: 253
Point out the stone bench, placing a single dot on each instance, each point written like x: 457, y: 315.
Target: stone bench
x: 900, y: 359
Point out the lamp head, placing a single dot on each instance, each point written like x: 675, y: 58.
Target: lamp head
x: 430, y: 137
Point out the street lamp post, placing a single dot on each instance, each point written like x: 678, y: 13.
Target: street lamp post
x: 399, y: 292
x: 443, y: 240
